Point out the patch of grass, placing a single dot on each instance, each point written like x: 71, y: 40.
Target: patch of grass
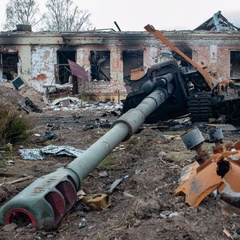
x: 14, y: 128
x: 108, y: 162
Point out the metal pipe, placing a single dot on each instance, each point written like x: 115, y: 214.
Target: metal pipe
x: 119, y: 29
x: 47, y: 200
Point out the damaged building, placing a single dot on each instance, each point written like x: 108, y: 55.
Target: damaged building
x: 41, y: 59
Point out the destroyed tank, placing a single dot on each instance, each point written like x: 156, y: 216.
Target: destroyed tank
x: 195, y: 92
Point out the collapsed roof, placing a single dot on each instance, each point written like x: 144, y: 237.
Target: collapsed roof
x: 217, y: 23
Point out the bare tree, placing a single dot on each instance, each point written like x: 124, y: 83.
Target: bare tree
x: 20, y: 12
x: 63, y: 16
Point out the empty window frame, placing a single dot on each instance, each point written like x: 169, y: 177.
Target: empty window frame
x: 187, y: 51
x: 62, y: 69
x: 9, y: 63
x: 100, y: 65
x: 235, y: 64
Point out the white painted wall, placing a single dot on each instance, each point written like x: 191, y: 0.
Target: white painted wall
x: 43, y: 60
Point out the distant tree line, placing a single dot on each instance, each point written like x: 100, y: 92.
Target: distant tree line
x: 60, y: 16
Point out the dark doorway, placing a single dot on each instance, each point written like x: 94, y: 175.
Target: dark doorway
x: 9, y: 65
x: 62, y: 68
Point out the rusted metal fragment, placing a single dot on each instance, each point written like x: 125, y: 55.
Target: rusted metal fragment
x: 212, y: 82
x: 200, y: 184
x: 237, y: 145
x: 78, y: 71
x: 221, y: 171
x: 231, y: 186
x: 138, y: 73
x: 97, y: 201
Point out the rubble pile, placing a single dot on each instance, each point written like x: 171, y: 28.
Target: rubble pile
x: 9, y: 97
x: 18, y: 99
x: 29, y: 100
x: 80, y: 105
x: 37, y: 98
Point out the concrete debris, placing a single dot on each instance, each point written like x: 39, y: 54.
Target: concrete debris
x: 80, y: 194
x: 27, y: 98
x: 28, y: 105
x: 83, y: 223
x: 126, y: 194
x: 52, y: 88
x: 66, y: 101
x: 103, y: 174
x: 76, y: 104
x: 32, y: 101
x: 168, y: 214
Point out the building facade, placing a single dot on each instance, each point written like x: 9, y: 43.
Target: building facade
x: 41, y: 58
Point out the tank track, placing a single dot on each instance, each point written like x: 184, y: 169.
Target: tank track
x: 199, y: 106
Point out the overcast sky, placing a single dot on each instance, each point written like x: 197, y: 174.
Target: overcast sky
x: 133, y: 15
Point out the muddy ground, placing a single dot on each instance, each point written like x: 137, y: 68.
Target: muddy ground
x: 143, y: 205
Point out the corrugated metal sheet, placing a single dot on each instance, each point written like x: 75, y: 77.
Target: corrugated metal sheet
x: 78, y: 71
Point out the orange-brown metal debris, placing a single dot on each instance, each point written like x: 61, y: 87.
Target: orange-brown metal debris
x: 97, y: 201
x: 138, y: 73
x: 198, y: 186
x: 212, y: 82
x: 221, y: 171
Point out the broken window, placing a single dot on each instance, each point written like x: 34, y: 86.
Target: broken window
x: 9, y: 63
x: 62, y: 69
x: 187, y: 51
x: 100, y: 65
x: 131, y: 60
x: 235, y: 64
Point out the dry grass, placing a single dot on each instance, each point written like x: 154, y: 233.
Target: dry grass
x: 14, y: 128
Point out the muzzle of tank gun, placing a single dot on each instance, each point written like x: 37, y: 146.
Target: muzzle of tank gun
x: 162, y: 81
x: 44, y: 202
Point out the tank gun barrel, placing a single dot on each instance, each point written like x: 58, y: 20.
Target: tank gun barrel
x: 157, y: 82
x: 48, y: 199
